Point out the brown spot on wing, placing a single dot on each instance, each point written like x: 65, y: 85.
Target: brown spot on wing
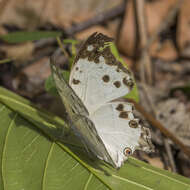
x: 77, y: 68
x: 106, y: 78
x: 75, y: 81
x: 96, y: 59
x: 133, y: 124
x: 117, y: 84
x: 123, y: 114
x: 97, y: 40
x: 109, y: 57
x: 120, y: 107
x: 128, y: 82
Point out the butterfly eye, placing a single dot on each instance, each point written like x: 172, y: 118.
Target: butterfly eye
x: 127, y: 151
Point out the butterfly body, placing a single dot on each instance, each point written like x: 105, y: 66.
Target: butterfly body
x: 106, y: 125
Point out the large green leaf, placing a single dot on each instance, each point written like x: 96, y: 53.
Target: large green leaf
x: 24, y: 36
x: 32, y: 159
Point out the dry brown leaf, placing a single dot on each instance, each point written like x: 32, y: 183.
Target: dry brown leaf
x: 183, y: 30
x: 40, y: 69
x: 126, y: 42
x: 26, y: 13
x: 174, y: 116
x: 29, y: 81
x: 155, y: 13
x: 166, y: 50
x: 2, y: 31
x: 19, y: 52
x: 156, y: 161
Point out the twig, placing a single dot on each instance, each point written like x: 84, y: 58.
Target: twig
x: 118, y: 33
x: 172, y: 67
x: 164, y: 159
x: 170, y: 155
x: 145, y: 61
x: 164, y: 130
x: 97, y: 19
x: 166, y: 144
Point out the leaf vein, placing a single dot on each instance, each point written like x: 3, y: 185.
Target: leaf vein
x: 88, y: 182
x: 4, y: 150
x: 172, y: 179
x: 2, y: 108
x: 29, y: 144
x: 129, y: 181
x: 46, y: 164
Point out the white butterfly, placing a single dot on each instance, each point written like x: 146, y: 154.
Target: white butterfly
x: 109, y: 128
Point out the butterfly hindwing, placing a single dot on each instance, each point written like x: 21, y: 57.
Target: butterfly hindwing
x: 118, y: 128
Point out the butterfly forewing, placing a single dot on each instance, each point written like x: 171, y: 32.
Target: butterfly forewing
x: 97, y: 77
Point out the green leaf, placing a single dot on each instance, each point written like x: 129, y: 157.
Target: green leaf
x: 73, y: 43
x: 70, y: 41
x: 5, y: 60
x: 134, y: 92
x: 73, y: 50
x: 50, y: 84
x: 20, y: 37
x: 32, y: 160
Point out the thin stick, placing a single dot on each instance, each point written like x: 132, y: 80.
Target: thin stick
x: 145, y: 61
x: 121, y: 21
x: 97, y: 19
x: 170, y: 155
x: 166, y: 144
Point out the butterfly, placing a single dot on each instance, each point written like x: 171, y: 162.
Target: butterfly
x: 105, y: 125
